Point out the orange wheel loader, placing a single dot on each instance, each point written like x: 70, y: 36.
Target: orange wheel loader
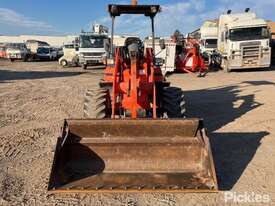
x: 135, y: 136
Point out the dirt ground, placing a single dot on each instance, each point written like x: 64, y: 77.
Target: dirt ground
x: 35, y: 98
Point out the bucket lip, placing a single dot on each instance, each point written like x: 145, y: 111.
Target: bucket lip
x: 57, y: 191
x: 195, y: 121
x: 138, y: 119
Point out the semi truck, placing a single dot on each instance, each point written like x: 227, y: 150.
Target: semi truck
x: 208, y: 36
x: 93, y: 46
x: 243, y: 41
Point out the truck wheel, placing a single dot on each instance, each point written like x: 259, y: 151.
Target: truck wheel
x: 84, y: 66
x: 64, y: 63
x: 228, y: 70
x: 31, y: 58
x: 225, y: 65
x: 97, y: 104
x: 173, y: 102
x: 12, y: 60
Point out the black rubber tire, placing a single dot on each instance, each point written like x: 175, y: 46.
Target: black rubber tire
x: 31, y: 58
x: 12, y: 60
x: 173, y: 102
x: 226, y: 66
x: 97, y: 104
x: 84, y: 66
x: 64, y: 63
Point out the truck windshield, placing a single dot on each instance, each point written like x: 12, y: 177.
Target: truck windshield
x: 91, y: 42
x: 16, y: 46
x: 211, y: 43
x: 253, y: 33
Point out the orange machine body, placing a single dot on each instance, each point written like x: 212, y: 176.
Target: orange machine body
x: 191, y: 60
x: 3, y: 53
x: 133, y: 84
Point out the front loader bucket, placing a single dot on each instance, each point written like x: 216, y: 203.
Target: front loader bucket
x: 133, y: 155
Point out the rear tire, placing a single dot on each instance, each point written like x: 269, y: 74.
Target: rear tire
x: 84, y: 66
x: 226, y: 66
x: 173, y: 102
x: 31, y: 58
x: 64, y: 63
x: 97, y: 104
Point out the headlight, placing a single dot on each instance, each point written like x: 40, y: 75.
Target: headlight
x: 110, y: 61
x: 235, y: 52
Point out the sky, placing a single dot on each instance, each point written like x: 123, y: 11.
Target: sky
x: 63, y: 17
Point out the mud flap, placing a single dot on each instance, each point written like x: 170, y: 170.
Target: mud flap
x: 133, y: 155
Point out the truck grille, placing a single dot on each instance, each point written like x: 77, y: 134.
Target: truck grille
x: 251, y: 54
x: 252, y: 51
x: 90, y: 54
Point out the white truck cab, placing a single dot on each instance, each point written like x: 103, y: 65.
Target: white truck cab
x: 243, y: 41
x: 17, y: 51
x: 208, y: 37
x: 93, y: 46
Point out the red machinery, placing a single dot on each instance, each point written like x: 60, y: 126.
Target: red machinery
x: 134, y: 83
x: 189, y: 58
x: 135, y: 137
x: 3, y: 53
x: 138, y: 88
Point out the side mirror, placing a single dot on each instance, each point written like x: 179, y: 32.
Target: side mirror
x: 162, y: 44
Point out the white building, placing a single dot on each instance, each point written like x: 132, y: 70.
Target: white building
x: 56, y: 41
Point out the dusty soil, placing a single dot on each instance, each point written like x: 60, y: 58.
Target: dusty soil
x: 238, y: 109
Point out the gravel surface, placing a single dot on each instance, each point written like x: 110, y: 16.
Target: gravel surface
x: 35, y: 98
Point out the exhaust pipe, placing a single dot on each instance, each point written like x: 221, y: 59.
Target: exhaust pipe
x: 134, y: 2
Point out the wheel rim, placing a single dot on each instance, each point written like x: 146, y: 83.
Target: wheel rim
x: 64, y: 63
